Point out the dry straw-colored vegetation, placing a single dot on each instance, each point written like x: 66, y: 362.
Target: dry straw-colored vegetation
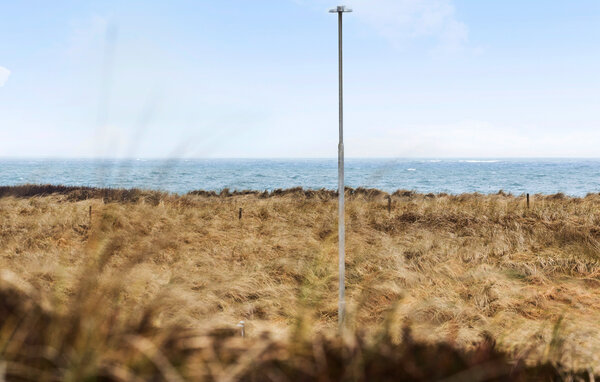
x: 130, y: 285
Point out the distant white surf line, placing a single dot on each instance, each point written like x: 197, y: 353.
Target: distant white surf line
x: 480, y: 161
x: 411, y: 169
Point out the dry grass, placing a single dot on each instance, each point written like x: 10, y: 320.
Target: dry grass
x: 146, y: 270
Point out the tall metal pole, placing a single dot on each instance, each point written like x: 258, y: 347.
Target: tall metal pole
x: 341, y: 226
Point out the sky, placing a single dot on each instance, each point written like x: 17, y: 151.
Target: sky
x: 258, y: 79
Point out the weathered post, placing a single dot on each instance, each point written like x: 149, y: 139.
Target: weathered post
x: 527, y: 201
x: 389, y: 204
x: 90, y: 214
x: 240, y: 214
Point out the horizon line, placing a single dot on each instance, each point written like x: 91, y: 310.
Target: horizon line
x: 297, y: 158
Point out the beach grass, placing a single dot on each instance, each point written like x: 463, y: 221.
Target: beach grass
x: 138, y: 285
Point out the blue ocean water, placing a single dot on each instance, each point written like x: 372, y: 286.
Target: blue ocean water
x: 571, y: 176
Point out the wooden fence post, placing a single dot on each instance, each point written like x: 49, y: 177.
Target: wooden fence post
x: 527, y: 201
x: 389, y: 204
x: 240, y: 214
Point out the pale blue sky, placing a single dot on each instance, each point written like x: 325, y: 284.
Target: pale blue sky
x: 437, y: 78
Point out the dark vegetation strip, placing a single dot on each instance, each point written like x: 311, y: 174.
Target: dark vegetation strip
x: 134, y: 194
x: 76, y: 193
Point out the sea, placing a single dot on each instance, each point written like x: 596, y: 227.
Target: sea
x: 576, y: 177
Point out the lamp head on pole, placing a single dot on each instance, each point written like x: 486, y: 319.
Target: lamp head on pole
x: 340, y: 9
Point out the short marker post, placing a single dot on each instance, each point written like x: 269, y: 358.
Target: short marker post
x: 242, y: 326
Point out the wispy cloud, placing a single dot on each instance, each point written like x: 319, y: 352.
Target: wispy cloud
x: 473, y: 138
x: 4, y: 74
x: 401, y: 21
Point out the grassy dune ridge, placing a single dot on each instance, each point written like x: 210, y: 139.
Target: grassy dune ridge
x: 116, y: 289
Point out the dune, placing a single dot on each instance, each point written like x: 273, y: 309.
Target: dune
x: 131, y: 284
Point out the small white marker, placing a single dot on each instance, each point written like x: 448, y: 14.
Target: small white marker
x: 241, y: 325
